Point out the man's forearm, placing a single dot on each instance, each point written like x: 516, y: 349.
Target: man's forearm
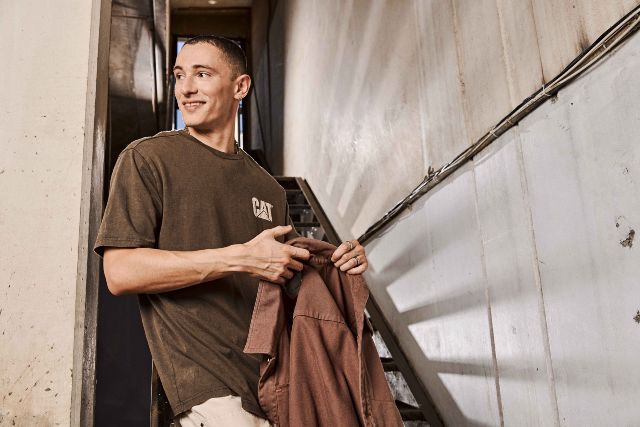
x: 146, y: 270
x: 149, y: 271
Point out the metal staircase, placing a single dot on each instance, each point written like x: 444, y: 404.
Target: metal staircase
x: 413, y: 401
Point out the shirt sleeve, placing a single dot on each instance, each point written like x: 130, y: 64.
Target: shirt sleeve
x: 133, y: 213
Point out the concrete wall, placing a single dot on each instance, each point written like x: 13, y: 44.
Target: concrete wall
x: 511, y: 286
x: 377, y: 91
x: 48, y: 87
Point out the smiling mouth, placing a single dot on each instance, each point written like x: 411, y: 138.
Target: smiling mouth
x: 192, y: 105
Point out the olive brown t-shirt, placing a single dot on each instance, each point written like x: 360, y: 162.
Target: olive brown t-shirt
x: 173, y: 192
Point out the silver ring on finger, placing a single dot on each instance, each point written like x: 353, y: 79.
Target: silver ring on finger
x: 357, y: 260
x: 348, y: 242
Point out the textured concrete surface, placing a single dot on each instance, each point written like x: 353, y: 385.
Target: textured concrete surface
x: 42, y: 125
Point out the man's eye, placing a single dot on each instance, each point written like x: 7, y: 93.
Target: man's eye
x: 179, y: 76
x: 202, y: 74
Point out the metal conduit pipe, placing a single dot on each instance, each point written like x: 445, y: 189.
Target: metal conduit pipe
x: 605, y: 43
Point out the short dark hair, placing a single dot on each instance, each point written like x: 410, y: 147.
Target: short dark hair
x: 232, y: 52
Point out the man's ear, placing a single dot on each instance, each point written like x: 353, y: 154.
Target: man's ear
x: 243, y: 84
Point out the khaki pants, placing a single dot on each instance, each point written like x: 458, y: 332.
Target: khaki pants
x: 221, y: 412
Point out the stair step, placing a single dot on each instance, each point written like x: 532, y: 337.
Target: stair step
x: 295, y: 197
x: 282, y: 179
x: 306, y: 224
x: 298, y: 206
x: 409, y: 412
x: 388, y: 364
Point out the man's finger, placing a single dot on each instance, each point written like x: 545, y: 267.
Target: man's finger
x: 280, y: 230
x: 299, y: 253
x: 339, y: 252
x: 341, y: 261
x: 288, y: 274
x: 348, y: 257
x: 351, y: 263
x: 295, y: 265
x: 358, y: 270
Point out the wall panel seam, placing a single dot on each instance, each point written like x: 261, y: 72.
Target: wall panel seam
x: 536, y: 274
x: 494, y: 358
x: 506, y: 58
x: 537, y: 38
x: 460, y: 64
x: 421, y: 90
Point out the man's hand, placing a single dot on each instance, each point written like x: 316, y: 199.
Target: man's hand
x: 268, y: 259
x: 350, y: 257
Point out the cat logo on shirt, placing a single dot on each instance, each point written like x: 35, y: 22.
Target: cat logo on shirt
x: 262, y: 209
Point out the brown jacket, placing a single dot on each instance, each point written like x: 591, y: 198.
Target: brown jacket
x: 322, y: 368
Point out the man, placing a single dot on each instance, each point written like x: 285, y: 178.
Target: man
x: 191, y: 224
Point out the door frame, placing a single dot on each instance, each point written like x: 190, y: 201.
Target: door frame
x: 91, y: 205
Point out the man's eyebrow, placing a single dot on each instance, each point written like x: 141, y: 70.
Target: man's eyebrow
x: 177, y: 67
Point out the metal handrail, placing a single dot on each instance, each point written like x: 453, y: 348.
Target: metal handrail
x: 610, y: 39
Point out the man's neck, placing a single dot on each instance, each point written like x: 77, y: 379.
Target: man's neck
x: 220, y: 140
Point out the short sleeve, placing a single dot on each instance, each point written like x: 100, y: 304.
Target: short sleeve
x: 133, y: 213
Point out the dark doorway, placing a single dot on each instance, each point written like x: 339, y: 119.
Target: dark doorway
x: 141, y: 104
x: 123, y: 362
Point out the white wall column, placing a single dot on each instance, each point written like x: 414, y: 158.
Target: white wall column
x: 48, y: 129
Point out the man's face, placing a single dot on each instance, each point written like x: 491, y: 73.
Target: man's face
x: 205, y: 90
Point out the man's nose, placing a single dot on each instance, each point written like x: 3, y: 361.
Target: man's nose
x: 188, y: 86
